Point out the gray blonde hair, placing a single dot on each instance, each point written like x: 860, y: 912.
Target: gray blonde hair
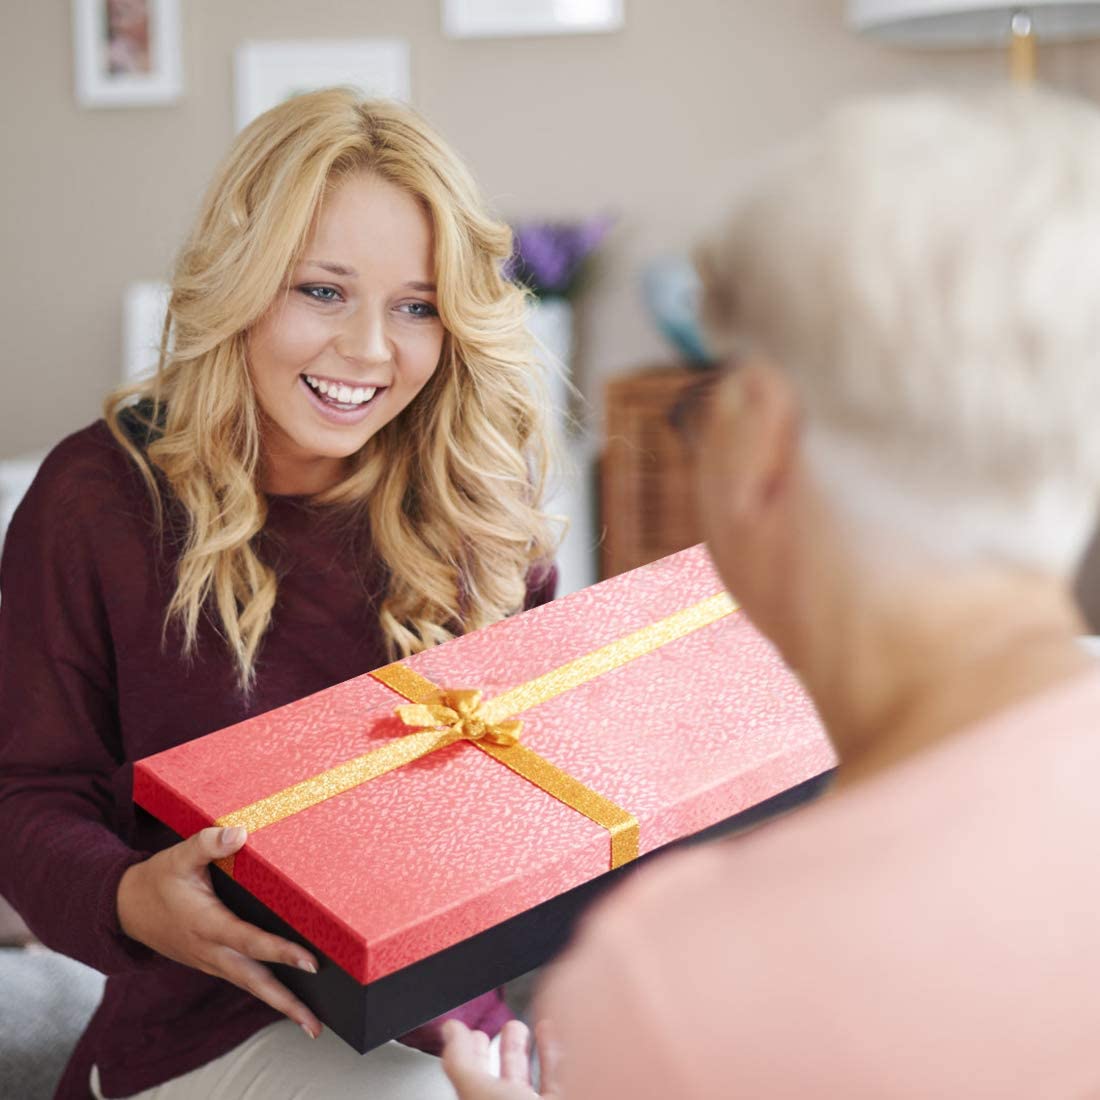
x: 927, y: 267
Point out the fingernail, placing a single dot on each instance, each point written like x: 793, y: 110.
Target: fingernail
x: 232, y: 836
x: 307, y: 965
x: 306, y: 1029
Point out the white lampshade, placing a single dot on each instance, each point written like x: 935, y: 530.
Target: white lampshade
x: 971, y: 22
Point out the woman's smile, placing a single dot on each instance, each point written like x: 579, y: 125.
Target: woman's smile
x: 341, y: 402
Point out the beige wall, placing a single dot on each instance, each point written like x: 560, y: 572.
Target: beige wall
x: 652, y: 123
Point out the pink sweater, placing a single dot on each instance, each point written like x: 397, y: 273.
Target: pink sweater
x: 933, y: 932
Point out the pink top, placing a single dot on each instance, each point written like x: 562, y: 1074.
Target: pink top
x: 931, y: 932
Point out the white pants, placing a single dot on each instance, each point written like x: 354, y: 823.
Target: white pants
x: 280, y: 1063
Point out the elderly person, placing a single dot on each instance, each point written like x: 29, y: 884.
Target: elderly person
x: 897, y: 481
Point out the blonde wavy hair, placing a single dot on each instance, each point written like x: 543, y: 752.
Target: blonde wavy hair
x: 450, y: 489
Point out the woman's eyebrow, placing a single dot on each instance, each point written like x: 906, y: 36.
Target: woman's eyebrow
x: 336, y: 269
x: 351, y: 273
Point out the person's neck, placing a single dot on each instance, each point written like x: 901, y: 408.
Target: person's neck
x: 909, y: 665
x: 298, y: 477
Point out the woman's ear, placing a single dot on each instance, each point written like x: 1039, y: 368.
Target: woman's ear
x: 756, y: 423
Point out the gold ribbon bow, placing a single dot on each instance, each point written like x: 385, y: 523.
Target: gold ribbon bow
x: 460, y: 713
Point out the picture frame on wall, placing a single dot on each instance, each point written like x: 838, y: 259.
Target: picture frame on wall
x: 127, y: 53
x: 511, y: 18
x: 269, y: 72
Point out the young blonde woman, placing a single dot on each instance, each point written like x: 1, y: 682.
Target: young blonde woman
x: 339, y: 461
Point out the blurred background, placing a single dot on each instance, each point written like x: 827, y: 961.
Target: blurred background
x: 640, y: 113
x: 636, y: 114
x: 616, y: 130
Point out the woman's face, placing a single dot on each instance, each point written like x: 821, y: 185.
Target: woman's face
x: 352, y: 340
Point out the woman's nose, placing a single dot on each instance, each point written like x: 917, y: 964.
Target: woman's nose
x: 364, y: 338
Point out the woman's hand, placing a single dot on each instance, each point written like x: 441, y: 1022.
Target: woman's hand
x: 466, y: 1061
x: 168, y: 903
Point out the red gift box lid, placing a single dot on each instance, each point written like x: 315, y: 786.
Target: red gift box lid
x: 413, y: 861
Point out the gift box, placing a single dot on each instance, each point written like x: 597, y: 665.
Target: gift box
x: 434, y: 828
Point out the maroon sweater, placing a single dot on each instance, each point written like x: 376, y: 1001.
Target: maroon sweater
x: 87, y: 687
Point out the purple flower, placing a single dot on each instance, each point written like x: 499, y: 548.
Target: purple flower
x: 549, y: 257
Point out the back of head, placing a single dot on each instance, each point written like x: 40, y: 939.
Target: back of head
x: 927, y: 267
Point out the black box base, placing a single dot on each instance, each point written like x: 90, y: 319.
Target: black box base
x: 365, y: 1016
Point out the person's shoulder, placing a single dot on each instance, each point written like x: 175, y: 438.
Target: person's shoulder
x: 83, y: 453
x: 881, y: 846
x: 883, y: 906
x: 709, y: 961
x: 87, y: 475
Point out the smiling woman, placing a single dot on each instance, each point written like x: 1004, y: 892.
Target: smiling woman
x: 355, y: 338
x: 339, y: 460
x: 344, y: 242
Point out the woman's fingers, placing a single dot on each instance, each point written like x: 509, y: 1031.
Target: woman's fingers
x: 464, y: 1053
x: 207, y: 845
x: 515, y: 1063
x: 238, y: 949
x: 550, y: 1059
x: 466, y: 1063
x: 219, y: 925
x: 254, y: 942
x: 255, y: 978
x: 167, y: 903
x: 481, y: 1043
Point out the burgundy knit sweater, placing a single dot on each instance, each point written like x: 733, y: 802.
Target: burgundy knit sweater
x: 87, y: 686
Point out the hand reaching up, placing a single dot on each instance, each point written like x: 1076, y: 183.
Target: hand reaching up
x: 466, y: 1062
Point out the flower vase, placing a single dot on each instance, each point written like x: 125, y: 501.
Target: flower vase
x: 550, y: 321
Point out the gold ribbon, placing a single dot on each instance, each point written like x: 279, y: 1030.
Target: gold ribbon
x: 498, y: 736
x: 461, y: 714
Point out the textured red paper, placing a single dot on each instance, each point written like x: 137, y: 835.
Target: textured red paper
x: 434, y: 852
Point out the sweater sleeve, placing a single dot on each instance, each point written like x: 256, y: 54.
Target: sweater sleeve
x: 61, y: 762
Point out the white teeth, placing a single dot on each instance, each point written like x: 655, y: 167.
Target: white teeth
x: 344, y: 395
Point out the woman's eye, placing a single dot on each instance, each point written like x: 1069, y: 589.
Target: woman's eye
x: 321, y: 293
x: 420, y: 309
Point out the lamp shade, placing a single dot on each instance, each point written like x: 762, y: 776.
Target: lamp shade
x: 971, y: 22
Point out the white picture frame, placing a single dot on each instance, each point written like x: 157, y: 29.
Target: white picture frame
x: 511, y: 18
x: 266, y: 73
x: 126, y: 53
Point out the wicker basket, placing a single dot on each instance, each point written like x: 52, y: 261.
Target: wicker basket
x: 647, y: 507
